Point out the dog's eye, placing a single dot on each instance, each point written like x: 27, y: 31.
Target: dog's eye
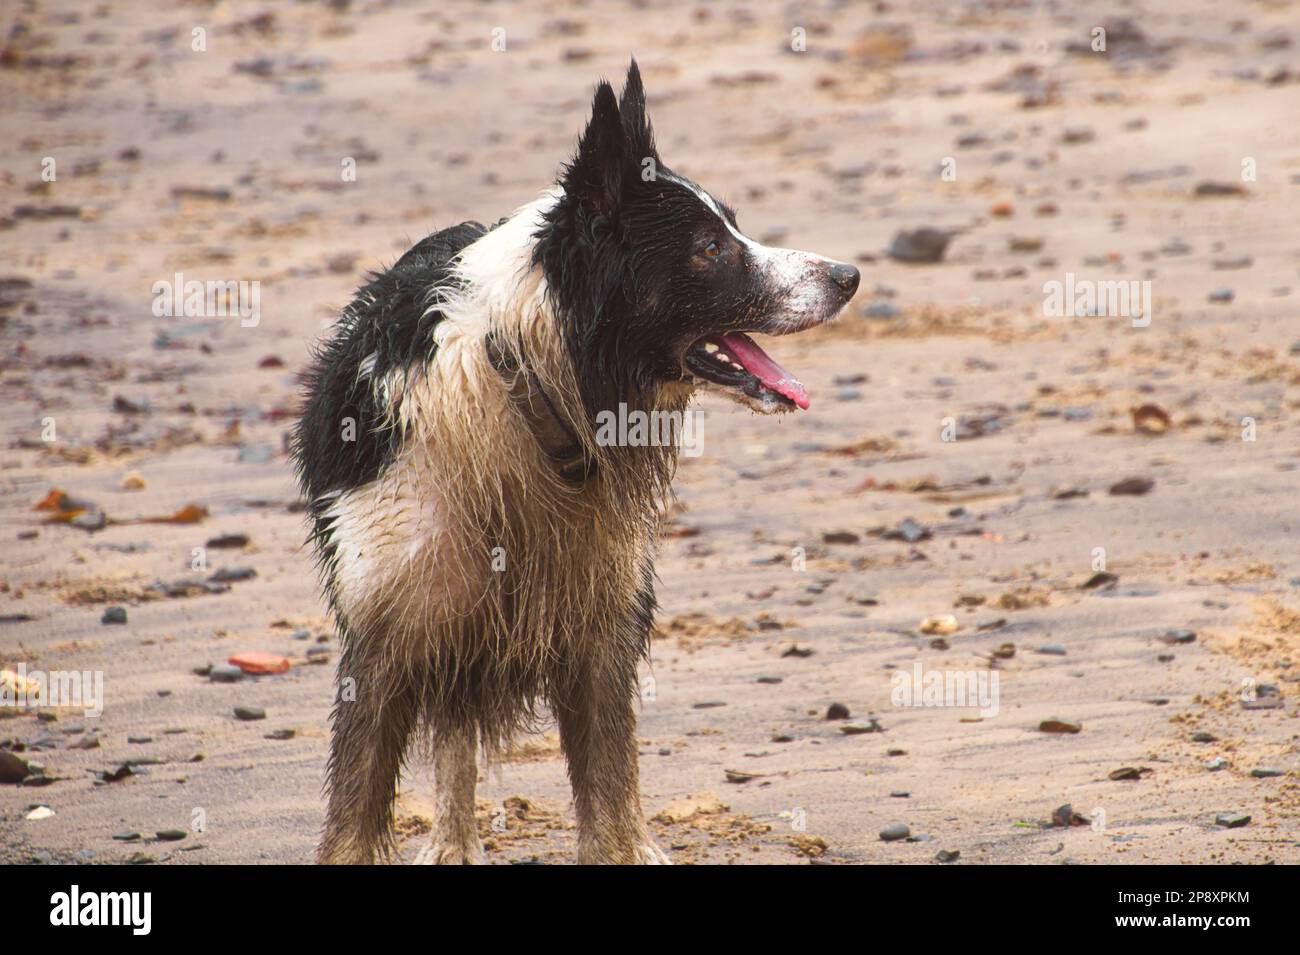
x: 711, y: 250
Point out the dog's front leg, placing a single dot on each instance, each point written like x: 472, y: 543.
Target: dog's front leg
x: 594, y: 706
x: 454, y: 840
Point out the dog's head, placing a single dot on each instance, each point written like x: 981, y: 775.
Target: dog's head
x: 657, y: 284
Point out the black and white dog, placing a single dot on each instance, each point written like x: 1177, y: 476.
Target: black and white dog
x: 483, y: 554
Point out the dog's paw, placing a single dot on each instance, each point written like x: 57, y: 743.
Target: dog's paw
x: 647, y: 853
x: 441, y: 853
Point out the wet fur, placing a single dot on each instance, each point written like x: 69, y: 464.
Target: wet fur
x: 443, y: 474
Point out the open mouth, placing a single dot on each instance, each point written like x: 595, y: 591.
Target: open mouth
x: 734, y: 361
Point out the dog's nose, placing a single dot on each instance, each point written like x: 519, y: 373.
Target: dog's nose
x: 846, y: 277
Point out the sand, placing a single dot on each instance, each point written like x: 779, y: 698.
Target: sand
x: 228, y: 164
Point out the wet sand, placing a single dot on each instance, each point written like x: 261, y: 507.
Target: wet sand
x: 227, y: 165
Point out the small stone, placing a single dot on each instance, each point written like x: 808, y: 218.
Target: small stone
x: 879, y: 310
x: 837, y: 711
x: 1204, y: 737
x: 38, y: 813
x: 895, y: 832
x: 249, y: 713
x: 230, y: 574
x: 900, y: 794
x: 1221, y: 296
x: 127, y: 837
x: 225, y: 673
x: 856, y: 729
x: 1211, y: 189
x: 943, y: 624
x: 1175, y: 637
x: 114, y: 615
x: 840, y: 537
x: 1267, y: 772
x: 12, y: 768
x: 1232, y: 820
x: 280, y: 735
x: 947, y: 855
x: 1216, y: 764
x: 919, y: 245
x: 1132, y: 486
x: 1052, y: 649
x: 1099, y: 580
x: 171, y: 835
x: 1055, y: 725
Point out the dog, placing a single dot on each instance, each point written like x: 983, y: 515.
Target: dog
x: 486, y: 559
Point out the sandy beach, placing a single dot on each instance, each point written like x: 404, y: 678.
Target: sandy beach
x: 1093, y: 513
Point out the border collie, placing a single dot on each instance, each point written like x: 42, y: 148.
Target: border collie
x: 484, y: 555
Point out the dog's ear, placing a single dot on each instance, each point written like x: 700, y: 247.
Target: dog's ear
x: 595, y: 177
x: 631, y: 107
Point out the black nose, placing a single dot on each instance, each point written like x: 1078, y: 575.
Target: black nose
x: 846, y: 277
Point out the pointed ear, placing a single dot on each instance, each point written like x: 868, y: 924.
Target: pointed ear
x: 595, y: 177
x: 631, y: 107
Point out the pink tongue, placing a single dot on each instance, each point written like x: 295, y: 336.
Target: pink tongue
x: 758, y: 364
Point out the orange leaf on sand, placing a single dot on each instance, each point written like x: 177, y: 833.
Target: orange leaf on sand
x: 189, y: 514
x: 51, y: 502
x: 257, y: 661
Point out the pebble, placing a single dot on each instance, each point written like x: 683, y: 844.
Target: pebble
x: 225, y: 673
x: 231, y: 574
x: 919, y: 245
x: 12, y: 768
x: 1216, y: 764
x: 1231, y: 820
x: 943, y: 624
x: 1221, y: 295
x: 879, y: 310
x: 1055, y: 725
x: 900, y: 794
x: 171, y: 835
x: 1052, y: 649
x: 1204, y: 737
x: 908, y: 530
x: 1132, y: 486
x: 248, y: 713
x: 38, y: 813
x: 948, y: 855
x: 1267, y: 772
x: 895, y: 832
x: 837, y: 711
x: 840, y: 537
x: 114, y: 615
x: 855, y: 729
x: 1175, y: 637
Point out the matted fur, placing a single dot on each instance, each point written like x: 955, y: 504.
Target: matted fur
x: 474, y: 581
x: 415, y: 562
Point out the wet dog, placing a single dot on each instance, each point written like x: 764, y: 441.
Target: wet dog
x: 484, y: 554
